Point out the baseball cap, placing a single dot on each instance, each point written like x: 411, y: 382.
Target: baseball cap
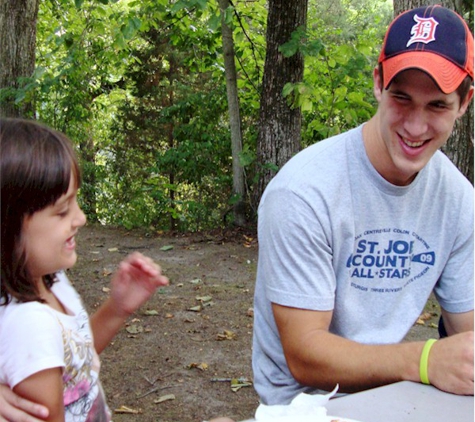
x: 433, y: 39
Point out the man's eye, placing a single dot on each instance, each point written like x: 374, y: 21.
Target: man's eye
x: 400, y: 97
x: 63, y: 213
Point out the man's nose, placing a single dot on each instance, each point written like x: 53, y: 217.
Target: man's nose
x: 416, y: 124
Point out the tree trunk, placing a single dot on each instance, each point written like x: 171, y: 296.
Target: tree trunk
x: 88, y: 152
x: 234, y: 117
x: 459, y: 147
x: 279, y: 124
x: 171, y: 145
x: 17, y: 53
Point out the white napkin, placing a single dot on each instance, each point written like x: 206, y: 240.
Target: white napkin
x: 303, y: 408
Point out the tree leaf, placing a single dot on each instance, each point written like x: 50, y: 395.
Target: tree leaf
x: 203, y: 366
x: 150, y: 312
x: 238, y: 383
x: 127, y: 410
x: 166, y: 397
x: 226, y: 335
x: 195, y: 308
x: 134, y: 329
x: 204, y: 298
x: 195, y: 281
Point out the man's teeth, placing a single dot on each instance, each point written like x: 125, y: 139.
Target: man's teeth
x: 413, y: 144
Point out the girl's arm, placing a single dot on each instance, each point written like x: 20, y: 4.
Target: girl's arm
x: 45, y: 388
x: 136, y: 280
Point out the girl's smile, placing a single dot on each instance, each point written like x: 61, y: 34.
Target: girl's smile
x: 71, y: 243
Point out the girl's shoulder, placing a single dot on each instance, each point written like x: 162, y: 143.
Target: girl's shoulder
x: 34, y: 341
x: 32, y: 317
x: 25, y: 318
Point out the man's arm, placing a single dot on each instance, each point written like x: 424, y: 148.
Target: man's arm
x: 17, y: 409
x: 45, y: 388
x: 320, y: 359
x: 445, y: 369
x: 457, y: 323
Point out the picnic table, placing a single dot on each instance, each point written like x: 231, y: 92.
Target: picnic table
x: 401, y: 402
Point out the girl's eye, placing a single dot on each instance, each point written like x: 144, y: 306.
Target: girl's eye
x: 63, y: 213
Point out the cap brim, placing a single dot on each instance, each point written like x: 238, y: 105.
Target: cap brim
x: 446, y: 74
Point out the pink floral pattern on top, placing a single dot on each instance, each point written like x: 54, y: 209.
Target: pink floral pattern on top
x: 84, y: 399
x: 39, y: 338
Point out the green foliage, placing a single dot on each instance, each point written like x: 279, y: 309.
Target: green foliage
x: 171, y: 135
x: 340, y: 49
x: 139, y: 86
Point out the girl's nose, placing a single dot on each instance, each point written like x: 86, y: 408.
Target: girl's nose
x: 80, y: 218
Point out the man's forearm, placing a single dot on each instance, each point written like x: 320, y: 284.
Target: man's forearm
x: 323, y: 360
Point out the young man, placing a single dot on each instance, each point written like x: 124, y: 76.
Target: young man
x: 356, y: 231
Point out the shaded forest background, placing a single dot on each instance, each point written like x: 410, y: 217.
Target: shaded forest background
x: 169, y: 102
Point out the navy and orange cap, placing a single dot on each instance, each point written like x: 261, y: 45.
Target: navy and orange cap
x: 433, y: 39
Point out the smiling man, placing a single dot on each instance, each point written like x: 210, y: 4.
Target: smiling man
x: 356, y: 232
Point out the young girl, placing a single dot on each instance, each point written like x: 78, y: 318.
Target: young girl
x: 49, y: 347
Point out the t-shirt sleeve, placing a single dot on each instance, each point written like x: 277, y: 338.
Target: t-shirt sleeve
x: 455, y: 288
x: 295, y: 253
x: 33, y: 342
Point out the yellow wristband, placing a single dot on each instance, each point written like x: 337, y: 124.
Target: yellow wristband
x: 424, y: 363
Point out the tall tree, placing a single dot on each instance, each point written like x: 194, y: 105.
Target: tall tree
x: 17, y: 54
x: 234, y: 115
x: 459, y: 147
x: 279, y: 123
x: 140, y: 88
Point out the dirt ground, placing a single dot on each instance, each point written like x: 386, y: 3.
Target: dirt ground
x: 177, y: 356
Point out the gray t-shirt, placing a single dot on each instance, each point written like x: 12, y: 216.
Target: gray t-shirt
x: 335, y: 235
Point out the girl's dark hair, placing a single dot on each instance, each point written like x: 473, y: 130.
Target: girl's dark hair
x: 36, y: 164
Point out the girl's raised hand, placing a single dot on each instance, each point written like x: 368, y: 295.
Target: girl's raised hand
x: 135, y: 281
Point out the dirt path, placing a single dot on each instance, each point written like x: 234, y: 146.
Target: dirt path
x: 177, y: 355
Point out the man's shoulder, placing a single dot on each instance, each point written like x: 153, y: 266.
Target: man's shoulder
x: 443, y: 172
x: 322, y: 158
x: 334, y: 144
x: 320, y: 169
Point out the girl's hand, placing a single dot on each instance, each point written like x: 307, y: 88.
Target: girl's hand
x: 17, y: 409
x: 135, y: 281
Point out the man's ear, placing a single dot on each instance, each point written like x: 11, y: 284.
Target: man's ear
x: 377, y: 84
x: 466, y: 102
